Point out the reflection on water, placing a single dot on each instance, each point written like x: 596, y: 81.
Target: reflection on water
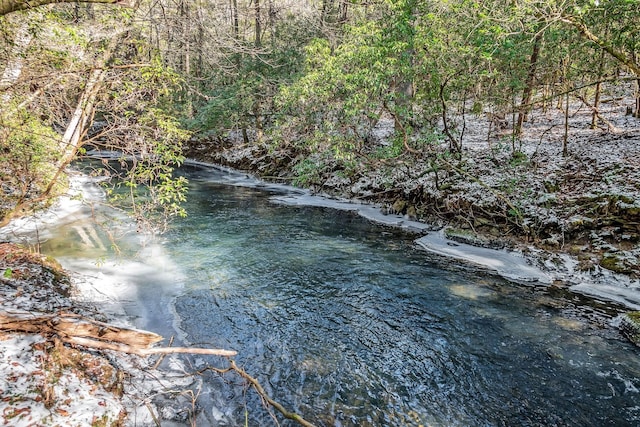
x: 351, y: 325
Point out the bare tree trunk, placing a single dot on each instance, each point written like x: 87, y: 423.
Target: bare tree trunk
x: 565, y: 138
x: 258, y: 20
x: 344, y: 8
x: 258, y: 119
x: 199, y: 43
x: 83, y: 114
x: 596, y: 99
x: 257, y: 43
x: 71, y: 141
x: 525, y: 106
x: 234, y: 18
x: 637, y: 112
x: 272, y: 21
x: 185, y: 51
x: 454, y: 144
x: 324, y: 14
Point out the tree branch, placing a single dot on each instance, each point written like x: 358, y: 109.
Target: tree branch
x: 77, y: 330
x: 256, y: 385
x: 617, y: 54
x: 10, y: 6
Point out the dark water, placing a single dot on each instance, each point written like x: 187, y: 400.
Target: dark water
x: 350, y: 324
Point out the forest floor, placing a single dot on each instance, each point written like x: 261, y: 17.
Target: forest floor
x: 576, y: 214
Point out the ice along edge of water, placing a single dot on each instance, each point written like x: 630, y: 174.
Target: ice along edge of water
x: 510, y: 265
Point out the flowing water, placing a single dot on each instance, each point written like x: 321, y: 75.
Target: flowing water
x: 350, y: 324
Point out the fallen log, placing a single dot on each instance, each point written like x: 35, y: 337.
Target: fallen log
x: 79, y: 330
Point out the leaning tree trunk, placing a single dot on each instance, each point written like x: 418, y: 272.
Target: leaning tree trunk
x: 628, y: 61
x: 10, y: 6
x: 84, y: 112
x: 72, y: 138
x: 596, y: 100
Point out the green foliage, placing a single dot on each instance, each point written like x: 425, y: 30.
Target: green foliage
x: 29, y: 153
x: 148, y: 187
x: 518, y: 158
x: 389, y: 151
x: 134, y: 106
x: 412, y: 61
x: 240, y: 95
x: 307, y: 172
x: 338, y: 100
x: 150, y: 136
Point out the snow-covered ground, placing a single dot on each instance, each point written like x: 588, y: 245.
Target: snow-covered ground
x: 42, y: 383
x: 37, y: 390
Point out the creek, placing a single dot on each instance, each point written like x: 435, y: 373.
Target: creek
x: 351, y: 323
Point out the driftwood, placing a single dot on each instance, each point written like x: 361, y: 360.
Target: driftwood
x: 78, y: 330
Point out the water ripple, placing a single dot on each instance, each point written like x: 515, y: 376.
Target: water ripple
x: 345, y: 322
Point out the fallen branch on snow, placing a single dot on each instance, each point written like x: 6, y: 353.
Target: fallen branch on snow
x: 77, y: 330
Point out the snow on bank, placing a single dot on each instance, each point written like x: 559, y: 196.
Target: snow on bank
x: 509, y: 265
x: 506, y: 264
x: 34, y: 393
x: 41, y: 384
x: 512, y: 265
x: 76, y: 203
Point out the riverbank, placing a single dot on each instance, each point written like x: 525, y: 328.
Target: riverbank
x: 47, y: 382
x: 43, y: 381
x: 575, y: 216
x: 131, y: 387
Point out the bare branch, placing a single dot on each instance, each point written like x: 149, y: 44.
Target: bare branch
x: 10, y: 6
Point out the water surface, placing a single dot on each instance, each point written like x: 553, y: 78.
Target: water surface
x: 351, y: 324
